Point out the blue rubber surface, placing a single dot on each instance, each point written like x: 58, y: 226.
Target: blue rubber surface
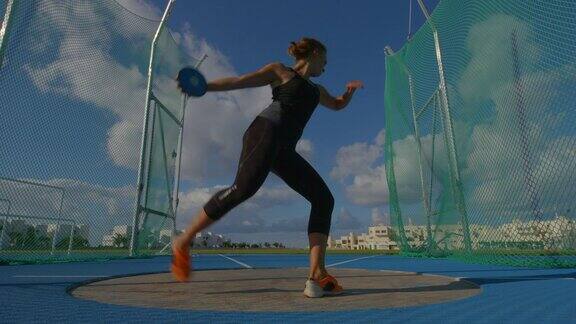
x: 37, y: 293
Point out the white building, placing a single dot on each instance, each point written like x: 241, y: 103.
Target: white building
x: 108, y: 240
x: 209, y: 240
x: 122, y: 230
x: 165, y: 236
x: 41, y: 229
x: 377, y: 238
x: 16, y: 226
x: 82, y: 230
x: 59, y: 232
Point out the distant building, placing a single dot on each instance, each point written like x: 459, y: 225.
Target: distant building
x: 122, y: 230
x: 16, y: 226
x: 209, y: 240
x: 108, y: 240
x: 41, y: 230
x: 82, y: 231
x: 59, y: 232
x: 377, y: 238
x: 165, y: 236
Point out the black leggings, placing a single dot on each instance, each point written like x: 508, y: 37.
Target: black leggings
x: 263, y: 151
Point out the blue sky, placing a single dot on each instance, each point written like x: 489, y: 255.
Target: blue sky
x: 94, y: 150
x: 253, y: 33
x: 83, y: 65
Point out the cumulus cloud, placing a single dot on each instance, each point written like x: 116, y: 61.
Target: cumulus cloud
x: 246, y: 215
x: 305, y: 147
x: 108, y: 73
x: 367, y: 186
x: 97, y: 206
x: 379, y: 217
x: 345, y: 221
x: 214, y: 124
x: 354, y: 159
x: 142, y: 8
x: 498, y: 165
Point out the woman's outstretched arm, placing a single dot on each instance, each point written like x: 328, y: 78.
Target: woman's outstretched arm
x: 264, y: 76
x: 340, y: 102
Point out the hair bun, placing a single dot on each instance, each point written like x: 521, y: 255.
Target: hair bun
x: 305, y: 47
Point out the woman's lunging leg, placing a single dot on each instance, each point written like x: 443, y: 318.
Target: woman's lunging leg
x: 258, y: 151
x: 301, y: 176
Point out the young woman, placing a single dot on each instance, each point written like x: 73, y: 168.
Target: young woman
x: 269, y: 144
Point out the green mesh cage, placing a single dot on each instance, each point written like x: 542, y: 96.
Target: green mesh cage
x: 73, y: 84
x: 480, y: 138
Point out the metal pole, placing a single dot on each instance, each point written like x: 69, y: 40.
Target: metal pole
x: 58, y: 222
x: 529, y: 181
x: 421, y: 169
x: 137, y: 207
x: 392, y: 178
x: 178, y: 163
x: 424, y: 9
x: 5, y: 223
x: 179, y: 153
x: 59, y: 210
x: 152, y: 132
x: 449, y: 134
x: 71, y: 237
x: 6, y: 26
x: 389, y: 51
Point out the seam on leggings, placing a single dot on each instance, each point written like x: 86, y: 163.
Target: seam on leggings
x: 254, y: 148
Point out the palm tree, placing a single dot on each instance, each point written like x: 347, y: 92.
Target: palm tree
x: 120, y: 240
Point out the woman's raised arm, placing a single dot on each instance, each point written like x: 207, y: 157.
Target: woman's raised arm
x: 264, y: 76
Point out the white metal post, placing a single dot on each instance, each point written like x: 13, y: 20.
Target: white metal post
x: 5, y: 28
x: 5, y: 223
x: 449, y: 134
x: 137, y: 207
x: 389, y: 51
x: 179, y: 153
x: 57, y: 223
x: 392, y: 177
x: 71, y: 238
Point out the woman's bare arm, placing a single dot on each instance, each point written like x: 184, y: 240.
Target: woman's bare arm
x: 262, y: 77
x: 340, y: 102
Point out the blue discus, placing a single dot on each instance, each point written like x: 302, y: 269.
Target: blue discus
x: 192, y: 82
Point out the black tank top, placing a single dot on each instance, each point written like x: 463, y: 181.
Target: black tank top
x: 297, y: 99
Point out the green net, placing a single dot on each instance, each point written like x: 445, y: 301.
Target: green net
x: 480, y: 167
x: 73, y: 85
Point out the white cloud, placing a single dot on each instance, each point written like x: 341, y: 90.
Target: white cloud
x: 355, y: 159
x: 97, y: 206
x: 266, y: 197
x: 142, y: 8
x: 92, y: 71
x: 369, y: 188
x: 495, y: 167
x: 345, y: 221
x: 379, y: 217
x: 305, y: 148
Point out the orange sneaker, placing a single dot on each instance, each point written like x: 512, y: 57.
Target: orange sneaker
x: 180, y: 264
x: 330, y: 285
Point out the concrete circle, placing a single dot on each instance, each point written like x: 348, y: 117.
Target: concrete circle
x: 276, y: 290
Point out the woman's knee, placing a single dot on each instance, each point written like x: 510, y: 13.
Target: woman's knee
x: 330, y: 200
x: 325, y: 199
x: 226, y: 199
